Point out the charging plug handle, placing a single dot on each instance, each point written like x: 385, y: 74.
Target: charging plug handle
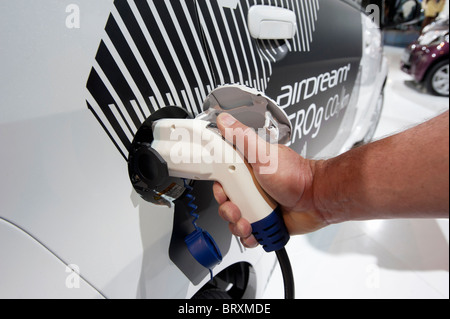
x: 271, y: 231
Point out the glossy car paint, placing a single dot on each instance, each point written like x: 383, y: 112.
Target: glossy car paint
x: 74, y: 94
x: 421, y: 58
x: 418, y: 59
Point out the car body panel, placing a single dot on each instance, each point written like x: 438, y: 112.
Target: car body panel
x: 63, y: 181
x: 42, y: 274
x: 419, y: 58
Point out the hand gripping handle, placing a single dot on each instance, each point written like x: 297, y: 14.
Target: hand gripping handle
x: 194, y: 151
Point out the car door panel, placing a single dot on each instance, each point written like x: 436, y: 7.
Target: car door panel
x: 311, y: 76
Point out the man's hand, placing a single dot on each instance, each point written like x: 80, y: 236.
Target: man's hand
x: 401, y: 176
x: 290, y: 184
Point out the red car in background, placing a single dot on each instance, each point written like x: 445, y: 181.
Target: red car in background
x: 427, y: 58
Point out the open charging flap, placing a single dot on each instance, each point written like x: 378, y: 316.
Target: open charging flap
x: 250, y: 107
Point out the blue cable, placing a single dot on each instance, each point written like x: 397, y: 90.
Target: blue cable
x: 191, y: 204
x: 200, y: 243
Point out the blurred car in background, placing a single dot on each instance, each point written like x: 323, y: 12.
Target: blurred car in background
x: 426, y: 60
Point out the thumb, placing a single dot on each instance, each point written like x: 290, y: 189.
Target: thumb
x: 243, y: 137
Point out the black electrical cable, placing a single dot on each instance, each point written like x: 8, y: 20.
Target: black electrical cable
x: 286, y: 270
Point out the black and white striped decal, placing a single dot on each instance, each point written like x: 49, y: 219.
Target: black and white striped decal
x: 152, y: 55
x: 235, y: 56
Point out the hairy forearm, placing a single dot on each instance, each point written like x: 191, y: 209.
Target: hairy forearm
x: 402, y: 176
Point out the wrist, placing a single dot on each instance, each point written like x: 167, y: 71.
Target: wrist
x: 326, y: 193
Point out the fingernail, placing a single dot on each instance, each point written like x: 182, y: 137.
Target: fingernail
x: 250, y: 242
x: 226, y: 119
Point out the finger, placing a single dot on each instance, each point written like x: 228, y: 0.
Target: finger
x: 241, y: 228
x: 249, y: 242
x: 219, y: 193
x: 230, y: 212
